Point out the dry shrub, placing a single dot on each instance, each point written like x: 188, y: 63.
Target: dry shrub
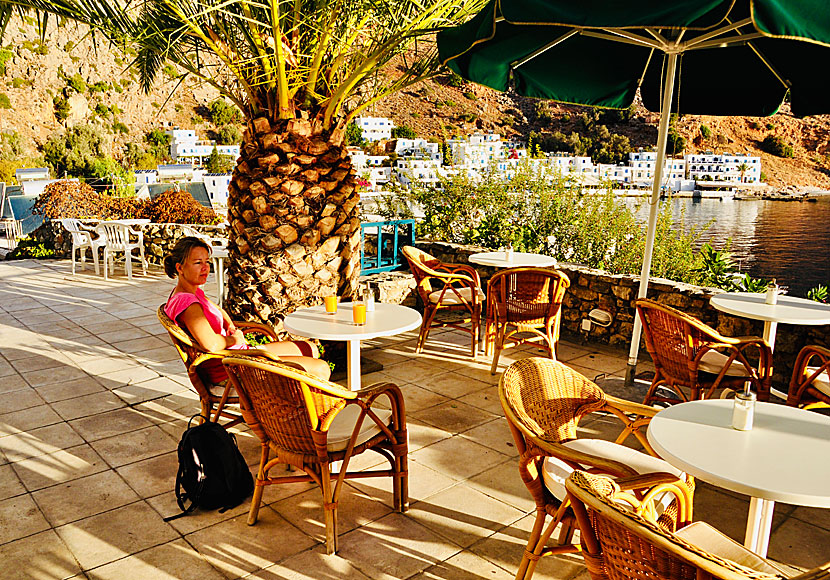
x: 74, y: 199
x: 179, y: 207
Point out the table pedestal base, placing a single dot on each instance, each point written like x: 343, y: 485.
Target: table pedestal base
x: 758, y: 525
x: 353, y: 364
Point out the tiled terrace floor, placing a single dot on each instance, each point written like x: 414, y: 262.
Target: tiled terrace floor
x: 94, y: 400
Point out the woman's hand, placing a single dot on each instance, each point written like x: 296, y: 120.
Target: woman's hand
x: 236, y: 338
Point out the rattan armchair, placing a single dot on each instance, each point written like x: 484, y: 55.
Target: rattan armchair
x: 544, y: 401
x: 214, y: 398
x: 530, y: 301
x: 619, y: 543
x: 310, y: 423
x: 446, y: 287
x: 810, y: 383
x: 694, y: 360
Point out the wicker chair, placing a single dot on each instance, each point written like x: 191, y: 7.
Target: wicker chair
x: 457, y: 288
x: 810, y: 384
x: 214, y: 397
x: 544, y: 401
x: 310, y: 423
x: 691, y: 355
x: 620, y: 544
x: 528, y: 299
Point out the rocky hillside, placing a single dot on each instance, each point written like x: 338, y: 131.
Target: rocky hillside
x: 34, y: 74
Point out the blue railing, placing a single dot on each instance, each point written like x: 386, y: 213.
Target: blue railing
x: 389, y: 238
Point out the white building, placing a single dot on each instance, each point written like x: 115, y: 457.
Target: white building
x: 418, y: 148
x: 478, y: 151
x: 186, y: 147
x: 424, y: 171
x: 726, y: 167
x: 145, y: 177
x: 216, y: 185
x: 31, y: 174
x: 643, y: 164
x: 375, y: 128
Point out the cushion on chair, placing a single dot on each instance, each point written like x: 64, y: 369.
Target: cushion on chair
x: 450, y: 297
x: 341, y: 428
x: 712, y: 362
x: 218, y: 389
x: 821, y: 382
x: 555, y: 471
x: 712, y: 540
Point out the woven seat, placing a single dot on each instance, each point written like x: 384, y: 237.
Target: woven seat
x: 544, y: 401
x: 310, y: 423
x: 694, y: 360
x: 620, y: 542
x: 213, y: 397
x: 810, y: 383
x: 530, y: 301
x: 443, y: 287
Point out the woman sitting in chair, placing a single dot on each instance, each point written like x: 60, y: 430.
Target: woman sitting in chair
x: 209, y: 325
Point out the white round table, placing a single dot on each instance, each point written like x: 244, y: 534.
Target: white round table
x: 385, y: 320
x: 783, y: 457
x: 519, y: 259
x: 788, y: 310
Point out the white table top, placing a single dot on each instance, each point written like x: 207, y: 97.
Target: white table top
x: 219, y: 252
x: 497, y: 260
x: 788, y: 310
x: 129, y: 222
x: 783, y: 458
x: 386, y: 320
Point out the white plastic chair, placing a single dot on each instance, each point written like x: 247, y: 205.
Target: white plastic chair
x: 120, y: 239
x: 81, y: 240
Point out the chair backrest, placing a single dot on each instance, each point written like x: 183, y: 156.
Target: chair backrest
x: 546, y: 399
x: 618, y: 544
x: 188, y: 349
x: 422, y: 266
x: 118, y: 236
x: 79, y: 236
x: 285, y: 406
x: 527, y: 295
x: 674, y: 339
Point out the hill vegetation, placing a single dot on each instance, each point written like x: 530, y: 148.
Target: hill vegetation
x: 52, y: 92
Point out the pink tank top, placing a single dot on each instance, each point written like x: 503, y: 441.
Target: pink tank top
x: 213, y: 370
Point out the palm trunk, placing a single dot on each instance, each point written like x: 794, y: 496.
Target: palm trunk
x: 295, y: 226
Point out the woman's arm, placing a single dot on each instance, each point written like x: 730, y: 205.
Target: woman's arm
x: 193, y: 318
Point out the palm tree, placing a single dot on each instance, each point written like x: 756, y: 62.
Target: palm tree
x: 743, y: 168
x: 299, y: 70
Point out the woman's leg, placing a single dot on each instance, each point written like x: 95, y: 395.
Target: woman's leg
x: 293, y: 348
x: 300, y: 352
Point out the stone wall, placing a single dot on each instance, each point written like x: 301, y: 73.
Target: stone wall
x: 616, y: 294
x: 158, y: 238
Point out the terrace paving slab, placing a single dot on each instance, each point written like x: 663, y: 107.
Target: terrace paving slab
x: 95, y: 400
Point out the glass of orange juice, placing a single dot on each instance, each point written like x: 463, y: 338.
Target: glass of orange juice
x: 331, y: 304
x: 359, y: 313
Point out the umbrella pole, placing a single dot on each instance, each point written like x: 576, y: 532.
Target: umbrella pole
x: 654, y: 211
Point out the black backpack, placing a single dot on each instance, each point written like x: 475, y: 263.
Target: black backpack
x: 212, y: 472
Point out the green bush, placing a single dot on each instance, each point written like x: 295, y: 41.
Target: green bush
x: 554, y: 217
x: 455, y: 80
x: 19, y: 83
x: 403, y: 132
x: 705, y: 132
x: 28, y: 249
x: 228, y: 135
x: 5, y: 103
x: 61, y: 107
x: 5, y: 56
x: 77, y: 83
x: 775, y: 145
x: 99, y: 87
x: 170, y: 71
x: 354, y: 135
x: 470, y: 95
x: 542, y: 110
x: 221, y: 113
x: 218, y: 163
x: 119, y: 127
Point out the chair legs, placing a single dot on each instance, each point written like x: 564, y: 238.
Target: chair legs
x: 539, y: 537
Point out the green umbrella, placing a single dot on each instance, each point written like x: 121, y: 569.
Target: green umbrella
x: 715, y: 57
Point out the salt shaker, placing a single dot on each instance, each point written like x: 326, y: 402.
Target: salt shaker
x: 743, y: 411
x: 508, y: 253
x: 772, y: 293
x: 370, y: 298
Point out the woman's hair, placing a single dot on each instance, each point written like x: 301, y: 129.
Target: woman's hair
x: 180, y: 252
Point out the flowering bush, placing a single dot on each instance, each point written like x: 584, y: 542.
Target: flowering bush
x: 179, y: 207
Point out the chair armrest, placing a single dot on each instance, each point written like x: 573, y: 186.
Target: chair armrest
x: 455, y: 269
x: 820, y: 573
x: 631, y: 407
x: 256, y: 327
x: 580, y: 458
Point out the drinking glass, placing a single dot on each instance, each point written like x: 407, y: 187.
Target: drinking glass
x: 331, y: 304
x: 359, y: 313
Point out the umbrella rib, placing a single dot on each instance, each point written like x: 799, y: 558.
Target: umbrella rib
x: 720, y: 31
x: 545, y: 48
x: 724, y: 42
x: 616, y: 35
